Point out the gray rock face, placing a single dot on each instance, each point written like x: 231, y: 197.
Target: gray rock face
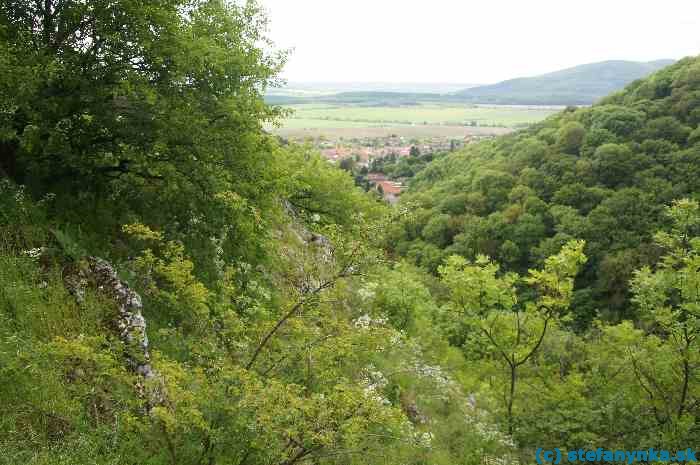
x: 130, y: 323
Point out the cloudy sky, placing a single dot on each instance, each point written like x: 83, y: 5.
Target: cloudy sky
x: 470, y: 41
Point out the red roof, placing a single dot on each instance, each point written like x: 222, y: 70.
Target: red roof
x: 389, y: 187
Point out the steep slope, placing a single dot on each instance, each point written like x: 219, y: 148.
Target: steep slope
x: 603, y: 174
x: 579, y: 85
x: 176, y: 286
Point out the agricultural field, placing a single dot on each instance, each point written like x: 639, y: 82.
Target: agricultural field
x: 451, y: 120
x: 336, y: 130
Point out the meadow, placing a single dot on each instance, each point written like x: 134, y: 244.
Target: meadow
x: 437, y: 119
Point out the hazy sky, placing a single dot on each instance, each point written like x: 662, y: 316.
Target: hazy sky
x: 474, y: 41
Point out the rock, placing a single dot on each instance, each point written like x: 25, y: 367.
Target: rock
x: 129, y: 323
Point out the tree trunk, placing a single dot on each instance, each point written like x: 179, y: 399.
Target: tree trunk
x: 513, y: 379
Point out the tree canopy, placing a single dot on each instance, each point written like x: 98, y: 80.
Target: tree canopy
x: 602, y: 174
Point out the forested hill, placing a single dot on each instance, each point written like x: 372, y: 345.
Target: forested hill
x: 580, y: 85
x: 603, y: 174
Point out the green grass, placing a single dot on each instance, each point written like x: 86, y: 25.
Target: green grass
x: 344, y: 116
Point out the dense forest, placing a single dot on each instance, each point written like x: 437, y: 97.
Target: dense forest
x: 179, y: 287
x: 603, y: 174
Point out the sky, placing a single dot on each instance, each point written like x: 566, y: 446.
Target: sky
x: 468, y: 41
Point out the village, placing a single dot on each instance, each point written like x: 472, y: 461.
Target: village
x: 364, y: 150
x: 363, y: 156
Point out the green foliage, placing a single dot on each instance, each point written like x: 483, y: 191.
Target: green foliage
x: 494, y: 321
x: 69, y: 247
x: 141, y: 128
x: 617, y: 163
x: 278, y: 329
x: 669, y: 302
x: 396, y: 167
x: 158, y: 113
x: 571, y: 137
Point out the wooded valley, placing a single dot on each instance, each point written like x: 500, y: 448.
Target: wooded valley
x: 179, y: 286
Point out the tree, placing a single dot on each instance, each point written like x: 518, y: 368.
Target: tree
x: 614, y: 164
x: 415, y: 151
x: 571, y: 137
x: 487, y: 304
x: 402, y: 298
x: 158, y: 107
x: 667, y: 128
x: 669, y: 300
x: 347, y: 164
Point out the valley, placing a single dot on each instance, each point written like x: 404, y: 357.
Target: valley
x: 203, y: 262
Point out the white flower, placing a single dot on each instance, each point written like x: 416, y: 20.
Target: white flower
x: 34, y: 253
x: 373, y: 381
x: 434, y: 373
x: 19, y: 195
x: 368, y: 291
x: 397, y: 338
x: 487, y: 430
x: 365, y: 321
x: 424, y: 439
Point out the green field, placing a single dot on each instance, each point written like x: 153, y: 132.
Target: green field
x: 328, y: 115
x: 351, y: 130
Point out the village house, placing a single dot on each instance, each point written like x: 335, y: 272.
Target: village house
x: 390, y: 190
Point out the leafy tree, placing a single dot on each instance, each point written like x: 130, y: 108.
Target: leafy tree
x: 667, y: 128
x: 571, y: 137
x: 347, y: 164
x: 669, y: 302
x: 510, y: 332
x: 437, y: 230
x: 635, y: 143
x: 157, y: 108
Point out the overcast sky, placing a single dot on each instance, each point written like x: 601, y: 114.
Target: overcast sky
x: 470, y: 41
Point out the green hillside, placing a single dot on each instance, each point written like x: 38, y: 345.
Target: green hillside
x: 178, y: 287
x: 580, y: 85
x: 603, y: 174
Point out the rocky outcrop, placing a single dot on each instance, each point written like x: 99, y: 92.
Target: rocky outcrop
x: 129, y: 322
x: 410, y: 408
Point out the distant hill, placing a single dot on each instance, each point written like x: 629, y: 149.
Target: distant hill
x: 580, y: 85
x: 363, y: 93
x: 311, y: 89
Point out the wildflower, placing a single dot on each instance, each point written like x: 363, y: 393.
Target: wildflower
x: 35, y: 253
x: 365, y: 321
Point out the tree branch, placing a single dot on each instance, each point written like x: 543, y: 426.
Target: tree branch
x: 286, y: 317
x: 537, y: 346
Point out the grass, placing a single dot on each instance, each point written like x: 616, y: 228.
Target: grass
x: 326, y: 116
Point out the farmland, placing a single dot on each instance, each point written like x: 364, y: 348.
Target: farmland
x: 449, y: 120
x: 378, y: 125
x: 424, y: 114
x: 346, y: 130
